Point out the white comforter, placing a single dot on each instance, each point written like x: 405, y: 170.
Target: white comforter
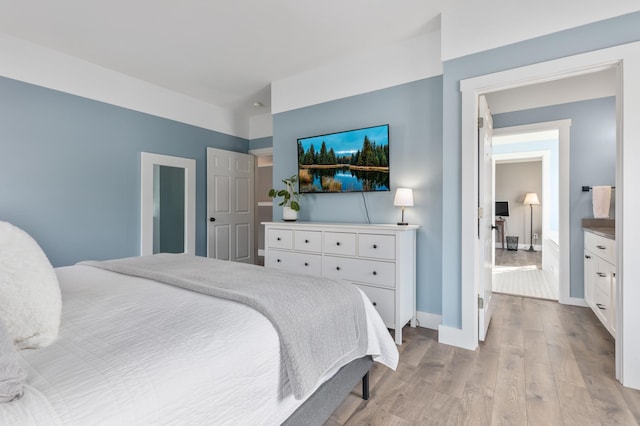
x: 134, y: 351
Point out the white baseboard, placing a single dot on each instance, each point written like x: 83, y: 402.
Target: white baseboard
x: 427, y: 320
x: 521, y: 247
x: 575, y: 301
x: 455, y: 337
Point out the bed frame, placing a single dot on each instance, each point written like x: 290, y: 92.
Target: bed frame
x: 324, y: 401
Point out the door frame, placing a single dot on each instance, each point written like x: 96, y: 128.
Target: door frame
x: 621, y: 57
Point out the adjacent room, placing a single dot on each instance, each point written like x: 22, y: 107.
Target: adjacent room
x: 319, y: 214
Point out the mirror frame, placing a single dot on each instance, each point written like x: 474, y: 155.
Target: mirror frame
x: 147, y: 161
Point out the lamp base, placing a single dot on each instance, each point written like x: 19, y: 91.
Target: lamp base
x: 530, y: 248
x: 402, y: 223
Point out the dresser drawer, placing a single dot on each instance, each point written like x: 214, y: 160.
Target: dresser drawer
x: 343, y: 243
x: 384, y: 302
x: 360, y: 270
x: 377, y: 246
x: 295, y: 262
x: 601, y: 246
x: 280, y: 238
x: 308, y: 241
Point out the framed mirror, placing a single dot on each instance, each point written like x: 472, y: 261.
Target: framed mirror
x: 168, y: 204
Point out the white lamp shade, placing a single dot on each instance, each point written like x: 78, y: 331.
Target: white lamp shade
x: 404, y: 197
x: 531, y: 198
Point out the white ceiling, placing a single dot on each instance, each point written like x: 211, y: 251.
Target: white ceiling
x: 224, y: 52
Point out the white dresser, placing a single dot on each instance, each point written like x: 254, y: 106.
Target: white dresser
x: 600, y: 277
x: 379, y: 259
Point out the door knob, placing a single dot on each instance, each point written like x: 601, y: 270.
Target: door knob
x: 212, y: 219
x: 493, y: 227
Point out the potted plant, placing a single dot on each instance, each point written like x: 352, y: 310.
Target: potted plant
x: 290, y: 198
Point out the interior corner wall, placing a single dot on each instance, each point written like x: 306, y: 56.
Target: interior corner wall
x: 592, y: 159
x: 607, y: 33
x: 70, y: 170
x: 414, y: 114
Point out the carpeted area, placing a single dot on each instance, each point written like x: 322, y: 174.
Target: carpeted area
x: 526, y: 281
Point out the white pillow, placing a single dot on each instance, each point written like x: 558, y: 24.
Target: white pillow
x: 12, y: 376
x: 30, y: 302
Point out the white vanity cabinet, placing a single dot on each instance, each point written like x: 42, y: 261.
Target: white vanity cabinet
x: 378, y: 259
x: 600, y: 278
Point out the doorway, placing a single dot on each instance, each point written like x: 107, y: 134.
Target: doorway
x: 627, y: 344
x: 526, y: 161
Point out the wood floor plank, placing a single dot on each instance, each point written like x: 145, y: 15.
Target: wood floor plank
x: 542, y: 364
x: 509, y: 405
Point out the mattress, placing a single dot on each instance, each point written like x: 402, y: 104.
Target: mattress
x: 135, y: 351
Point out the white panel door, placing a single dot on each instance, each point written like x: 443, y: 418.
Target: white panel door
x: 230, y: 204
x: 486, y: 218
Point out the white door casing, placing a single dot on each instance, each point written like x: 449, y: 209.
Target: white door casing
x: 627, y: 197
x: 486, y: 218
x: 230, y: 205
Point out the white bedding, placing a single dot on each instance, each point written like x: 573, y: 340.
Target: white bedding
x: 134, y: 351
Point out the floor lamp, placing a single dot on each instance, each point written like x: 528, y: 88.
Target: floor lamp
x: 531, y: 198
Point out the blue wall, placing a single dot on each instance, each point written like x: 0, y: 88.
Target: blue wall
x: 414, y: 114
x: 70, y: 170
x: 599, y: 35
x: 592, y: 161
x: 266, y: 142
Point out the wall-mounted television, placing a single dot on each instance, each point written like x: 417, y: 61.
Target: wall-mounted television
x: 351, y: 161
x: 502, y: 208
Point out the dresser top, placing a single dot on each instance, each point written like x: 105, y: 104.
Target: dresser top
x: 333, y: 225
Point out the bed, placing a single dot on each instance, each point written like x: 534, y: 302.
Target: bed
x: 137, y: 350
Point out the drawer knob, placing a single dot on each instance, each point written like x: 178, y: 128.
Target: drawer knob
x: 375, y: 273
x: 337, y: 268
x: 586, y: 256
x: 601, y: 306
x: 278, y: 239
x: 306, y: 263
x: 601, y: 274
x: 375, y: 304
x: 338, y: 243
x: 306, y: 241
x: 601, y: 247
x: 278, y: 260
x: 375, y: 246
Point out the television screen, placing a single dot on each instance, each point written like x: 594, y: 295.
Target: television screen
x: 351, y: 161
x: 502, y: 208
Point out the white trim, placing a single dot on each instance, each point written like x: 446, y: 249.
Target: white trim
x: 628, y: 198
x: 428, y: 320
x: 576, y: 301
x: 456, y: 337
x: 147, y: 161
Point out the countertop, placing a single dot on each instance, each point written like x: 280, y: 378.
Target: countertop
x: 603, y: 227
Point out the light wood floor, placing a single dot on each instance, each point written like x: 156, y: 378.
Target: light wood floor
x: 542, y: 364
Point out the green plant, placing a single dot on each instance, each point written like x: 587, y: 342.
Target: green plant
x: 291, y: 197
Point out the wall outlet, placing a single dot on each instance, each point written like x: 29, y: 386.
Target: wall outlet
x: 535, y: 236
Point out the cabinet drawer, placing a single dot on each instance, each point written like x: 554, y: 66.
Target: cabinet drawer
x: 377, y: 246
x: 308, y: 241
x: 384, y: 302
x: 360, y: 270
x: 601, y: 246
x: 343, y: 243
x: 295, y: 262
x: 280, y: 238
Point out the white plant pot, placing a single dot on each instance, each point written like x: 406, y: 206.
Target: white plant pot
x: 288, y: 214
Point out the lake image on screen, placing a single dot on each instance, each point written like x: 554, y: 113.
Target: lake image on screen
x: 356, y: 160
